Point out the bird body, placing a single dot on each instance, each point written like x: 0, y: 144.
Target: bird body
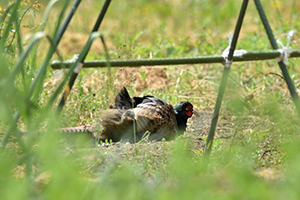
x: 137, y: 116
x: 131, y: 119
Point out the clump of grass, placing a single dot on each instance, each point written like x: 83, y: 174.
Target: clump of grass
x: 19, y: 93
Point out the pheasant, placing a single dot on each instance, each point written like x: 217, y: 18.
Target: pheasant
x: 131, y: 119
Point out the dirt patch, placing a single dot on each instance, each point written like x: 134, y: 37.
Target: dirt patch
x: 269, y: 174
x: 145, y: 77
x: 199, y: 124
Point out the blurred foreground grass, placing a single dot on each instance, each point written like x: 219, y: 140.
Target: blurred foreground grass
x: 255, y: 155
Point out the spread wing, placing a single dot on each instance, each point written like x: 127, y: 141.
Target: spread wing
x: 159, y: 120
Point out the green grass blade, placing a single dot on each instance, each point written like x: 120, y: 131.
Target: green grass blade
x: 82, y: 54
x: 9, y: 23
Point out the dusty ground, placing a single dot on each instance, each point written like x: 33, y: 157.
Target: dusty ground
x: 195, y: 136
x: 100, y: 159
x: 141, y: 78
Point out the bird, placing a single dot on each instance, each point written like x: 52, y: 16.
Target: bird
x: 136, y: 118
x: 132, y: 119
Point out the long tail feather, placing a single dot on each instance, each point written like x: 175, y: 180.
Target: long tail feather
x: 77, y: 129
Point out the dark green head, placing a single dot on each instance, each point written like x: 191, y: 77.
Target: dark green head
x: 183, y: 111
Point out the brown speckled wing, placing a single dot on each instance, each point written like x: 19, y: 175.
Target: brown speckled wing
x: 159, y: 120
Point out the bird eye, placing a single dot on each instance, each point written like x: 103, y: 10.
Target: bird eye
x: 188, y: 108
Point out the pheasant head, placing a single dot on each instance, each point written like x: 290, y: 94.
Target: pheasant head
x: 183, y: 111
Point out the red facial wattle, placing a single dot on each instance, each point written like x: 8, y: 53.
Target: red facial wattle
x: 189, y: 111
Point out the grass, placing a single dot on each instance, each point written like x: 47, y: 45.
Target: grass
x: 255, y: 153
